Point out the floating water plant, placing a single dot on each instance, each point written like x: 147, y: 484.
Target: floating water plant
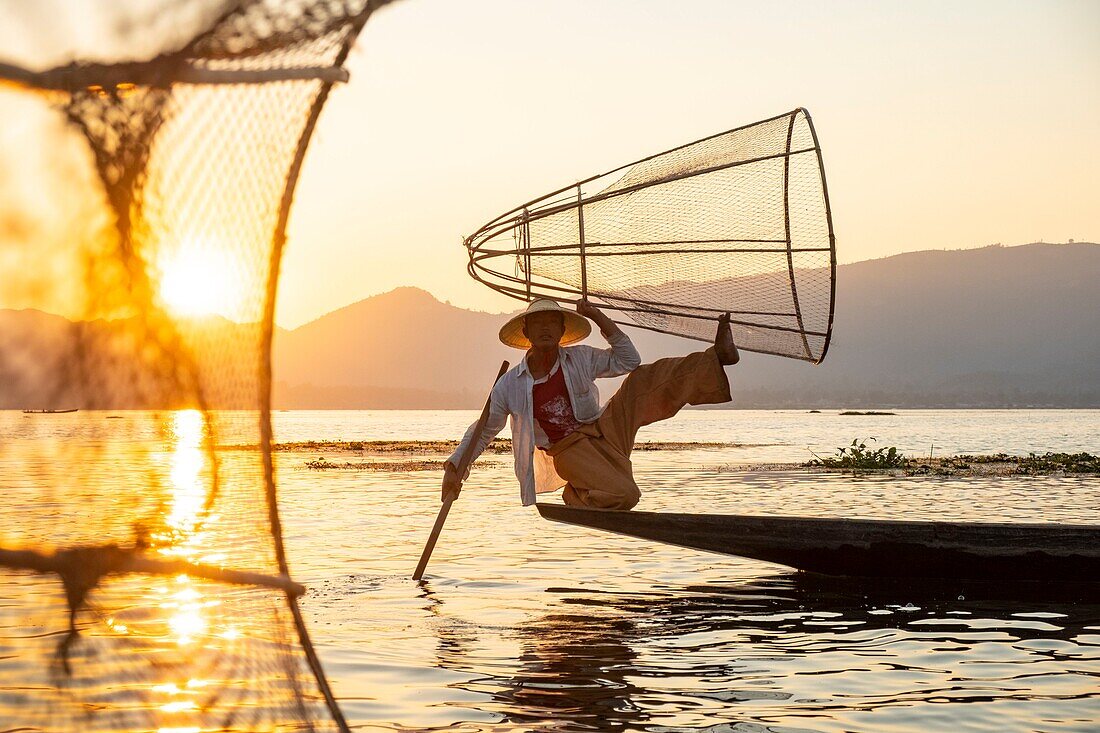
x: 858, y: 456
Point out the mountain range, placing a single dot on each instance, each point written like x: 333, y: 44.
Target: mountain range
x: 989, y: 327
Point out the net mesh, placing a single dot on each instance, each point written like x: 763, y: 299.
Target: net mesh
x: 145, y: 582
x: 737, y: 222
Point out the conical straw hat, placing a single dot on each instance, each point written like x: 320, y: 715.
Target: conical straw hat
x: 577, y: 327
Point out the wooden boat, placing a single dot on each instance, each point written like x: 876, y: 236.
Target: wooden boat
x: 870, y: 548
x: 49, y: 412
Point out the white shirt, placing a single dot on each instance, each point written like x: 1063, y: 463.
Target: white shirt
x: 511, y: 397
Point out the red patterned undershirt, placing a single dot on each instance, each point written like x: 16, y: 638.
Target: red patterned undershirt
x: 552, y: 407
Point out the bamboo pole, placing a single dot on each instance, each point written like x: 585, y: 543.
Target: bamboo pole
x: 463, y: 464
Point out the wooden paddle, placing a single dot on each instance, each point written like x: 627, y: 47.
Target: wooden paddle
x: 463, y: 464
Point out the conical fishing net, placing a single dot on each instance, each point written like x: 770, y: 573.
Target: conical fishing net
x: 736, y: 222
x: 145, y: 583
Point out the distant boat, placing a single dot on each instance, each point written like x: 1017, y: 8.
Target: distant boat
x: 993, y: 551
x: 49, y: 412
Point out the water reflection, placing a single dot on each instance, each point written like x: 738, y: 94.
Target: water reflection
x: 189, y: 491
x: 773, y: 653
x: 182, y: 536
x: 185, y: 534
x: 144, y: 651
x: 576, y: 667
x: 566, y: 668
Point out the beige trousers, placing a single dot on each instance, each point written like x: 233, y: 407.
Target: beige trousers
x: 595, y: 460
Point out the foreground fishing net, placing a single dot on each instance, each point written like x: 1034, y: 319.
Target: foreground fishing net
x: 145, y: 583
x: 735, y: 222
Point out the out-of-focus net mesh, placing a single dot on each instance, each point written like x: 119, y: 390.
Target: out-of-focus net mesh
x: 736, y: 222
x: 139, y: 271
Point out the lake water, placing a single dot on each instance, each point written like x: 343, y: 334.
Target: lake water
x: 526, y: 625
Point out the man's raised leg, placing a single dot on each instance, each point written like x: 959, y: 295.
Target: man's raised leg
x: 659, y: 390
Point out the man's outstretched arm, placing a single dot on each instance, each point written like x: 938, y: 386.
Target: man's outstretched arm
x: 498, y: 417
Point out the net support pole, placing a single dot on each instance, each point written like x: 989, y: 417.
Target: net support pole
x: 787, y: 230
x: 525, y: 238
x: 580, y: 240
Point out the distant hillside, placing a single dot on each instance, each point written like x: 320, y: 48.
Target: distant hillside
x: 997, y: 326
x: 990, y: 327
x: 400, y: 349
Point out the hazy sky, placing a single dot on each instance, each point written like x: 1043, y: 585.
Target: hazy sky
x: 943, y: 124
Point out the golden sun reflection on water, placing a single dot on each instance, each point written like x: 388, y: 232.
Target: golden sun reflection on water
x: 184, y: 535
x: 198, y: 623
x: 152, y: 651
x: 187, y: 607
x: 188, y: 485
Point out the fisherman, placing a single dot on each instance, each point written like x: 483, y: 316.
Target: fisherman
x: 560, y: 436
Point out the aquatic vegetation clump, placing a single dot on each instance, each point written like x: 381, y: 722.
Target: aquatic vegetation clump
x: 950, y: 466
x: 991, y: 458
x: 1054, y: 462
x: 858, y: 456
x: 446, y: 447
x: 323, y: 464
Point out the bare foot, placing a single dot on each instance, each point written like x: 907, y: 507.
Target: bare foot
x: 723, y: 342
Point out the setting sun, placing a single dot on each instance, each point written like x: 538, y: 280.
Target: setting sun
x: 197, y: 282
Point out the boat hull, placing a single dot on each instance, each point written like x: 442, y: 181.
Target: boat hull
x: 869, y: 548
